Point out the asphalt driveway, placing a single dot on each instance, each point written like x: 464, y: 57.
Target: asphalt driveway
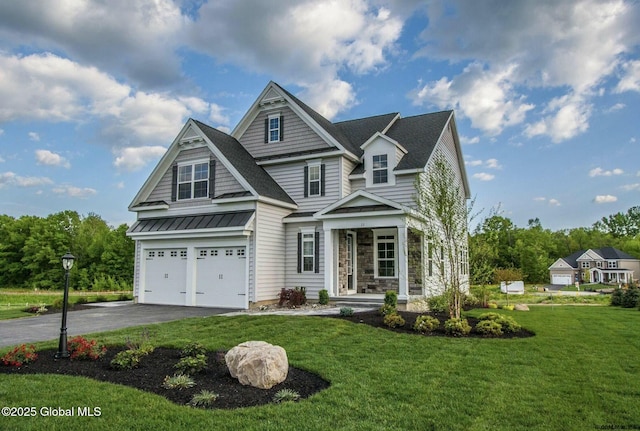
x: 96, y: 319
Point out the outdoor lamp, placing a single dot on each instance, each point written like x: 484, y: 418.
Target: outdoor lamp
x: 67, y: 264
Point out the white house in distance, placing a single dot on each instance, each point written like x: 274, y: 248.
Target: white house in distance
x: 289, y: 199
x: 606, y: 265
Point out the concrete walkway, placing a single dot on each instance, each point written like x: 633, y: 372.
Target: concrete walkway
x: 96, y: 319
x: 107, y: 316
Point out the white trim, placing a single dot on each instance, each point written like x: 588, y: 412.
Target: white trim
x: 358, y: 193
x: 150, y: 208
x: 385, y: 232
x: 285, y: 159
x: 386, y: 138
x: 354, y: 262
x: 192, y: 164
x: 299, y: 219
x: 316, y: 163
x: 278, y: 129
x: 312, y: 232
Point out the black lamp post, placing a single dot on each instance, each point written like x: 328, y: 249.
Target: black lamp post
x: 67, y: 263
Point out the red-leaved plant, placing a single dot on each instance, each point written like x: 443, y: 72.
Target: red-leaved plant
x: 20, y: 355
x: 83, y: 349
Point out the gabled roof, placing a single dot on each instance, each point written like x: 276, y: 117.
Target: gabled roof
x: 360, y: 130
x: 359, y: 202
x: 606, y: 253
x: 245, y: 164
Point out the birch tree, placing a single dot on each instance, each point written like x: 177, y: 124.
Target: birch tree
x: 442, y: 206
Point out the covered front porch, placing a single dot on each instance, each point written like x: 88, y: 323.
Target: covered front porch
x: 611, y: 276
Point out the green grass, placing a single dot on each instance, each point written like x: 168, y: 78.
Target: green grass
x: 533, y: 296
x: 13, y: 301
x: 579, y: 372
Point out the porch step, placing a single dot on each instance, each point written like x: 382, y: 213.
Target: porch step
x: 358, y: 301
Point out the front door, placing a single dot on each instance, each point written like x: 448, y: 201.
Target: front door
x: 351, y: 259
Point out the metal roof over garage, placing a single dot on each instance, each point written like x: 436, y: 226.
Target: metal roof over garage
x: 192, y: 222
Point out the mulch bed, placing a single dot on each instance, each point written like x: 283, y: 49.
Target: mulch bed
x: 373, y: 318
x: 216, y: 378
x: 154, y: 367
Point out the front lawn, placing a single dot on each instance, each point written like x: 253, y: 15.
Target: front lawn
x: 579, y: 372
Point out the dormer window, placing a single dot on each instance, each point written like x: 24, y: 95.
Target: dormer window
x: 379, y: 169
x: 273, y: 128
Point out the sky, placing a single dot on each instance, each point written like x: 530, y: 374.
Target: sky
x: 546, y: 93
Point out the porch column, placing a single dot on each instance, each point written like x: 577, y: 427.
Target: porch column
x: 329, y: 263
x: 403, y: 263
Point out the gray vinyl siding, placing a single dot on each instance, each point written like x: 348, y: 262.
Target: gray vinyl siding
x: 290, y: 176
x: 313, y: 282
x: 270, y: 248
x: 225, y: 182
x: 402, y: 192
x: 298, y: 136
x: 347, y: 167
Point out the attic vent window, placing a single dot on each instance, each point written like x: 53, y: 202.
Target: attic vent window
x: 274, y: 128
x: 380, y: 175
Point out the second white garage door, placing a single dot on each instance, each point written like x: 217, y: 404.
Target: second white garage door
x: 562, y: 280
x: 221, y: 277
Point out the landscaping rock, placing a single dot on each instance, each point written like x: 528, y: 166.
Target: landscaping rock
x: 258, y: 364
x: 521, y: 307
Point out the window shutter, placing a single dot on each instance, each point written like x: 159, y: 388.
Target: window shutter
x: 322, y: 179
x: 282, y: 127
x: 266, y: 130
x: 316, y: 253
x: 306, y: 181
x: 299, y: 252
x: 174, y: 183
x: 212, y: 178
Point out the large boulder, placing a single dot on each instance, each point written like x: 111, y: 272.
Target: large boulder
x: 522, y: 307
x: 258, y: 364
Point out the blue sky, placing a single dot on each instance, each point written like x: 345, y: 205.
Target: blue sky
x: 546, y: 93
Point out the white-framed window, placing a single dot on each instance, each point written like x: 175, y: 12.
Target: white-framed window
x: 612, y: 264
x: 379, y: 171
x: 386, y: 253
x: 599, y: 264
x: 193, y: 180
x: 273, y: 128
x: 585, y: 265
x: 314, y: 180
x: 430, y: 258
x: 308, y: 252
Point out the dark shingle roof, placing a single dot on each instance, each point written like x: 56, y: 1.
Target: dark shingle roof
x: 360, y: 130
x: 605, y: 252
x: 240, y: 158
x: 418, y: 135
x: 202, y: 221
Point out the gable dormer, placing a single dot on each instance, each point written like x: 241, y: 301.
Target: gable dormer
x: 381, y: 155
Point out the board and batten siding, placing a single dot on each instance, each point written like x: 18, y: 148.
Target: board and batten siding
x: 313, y: 282
x: 225, y: 182
x: 270, y: 251
x: 290, y: 176
x: 298, y: 136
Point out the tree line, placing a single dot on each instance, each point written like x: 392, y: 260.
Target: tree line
x: 498, y: 244
x: 31, y: 249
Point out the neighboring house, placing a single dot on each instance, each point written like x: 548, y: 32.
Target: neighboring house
x: 289, y: 199
x: 598, y: 265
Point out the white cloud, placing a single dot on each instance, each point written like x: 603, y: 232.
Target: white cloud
x: 631, y: 187
x: 483, y: 176
x: 554, y: 202
x: 1, y: 160
x: 604, y: 199
x: 564, y: 118
x: 473, y: 163
x: 464, y: 140
x: 551, y: 202
x: 11, y: 179
x: 485, y: 96
x: 630, y: 81
x: 599, y: 172
x: 46, y: 157
x: 120, y: 185
x: 34, y: 136
x: 615, y: 108
x: 540, y: 199
x: 134, y: 158
x: 75, y: 192
x: 308, y: 43
x: 489, y: 163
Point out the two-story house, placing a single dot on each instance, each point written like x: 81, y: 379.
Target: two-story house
x: 289, y: 199
x: 597, y: 265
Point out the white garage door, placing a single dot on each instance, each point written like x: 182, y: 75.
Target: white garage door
x: 563, y: 280
x: 165, y: 276
x: 221, y: 277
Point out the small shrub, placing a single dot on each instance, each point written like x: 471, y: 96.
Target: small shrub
x: 127, y: 359
x: 81, y: 300
x: 193, y: 349
x: 178, y: 381
x: 346, y: 311
x: 293, y: 297
x: 387, y: 309
x: 508, y: 307
x: 191, y: 364
x: 20, y: 355
x: 616, y: 297
x: 391, y: 298
x: 142, y: 343
x: 219, y: 357
x: 393, y: 320
x: 284, y: 395
x: 457, y: 327
x: 57, y: 304
x: 426, y: 324
x: 631, y: 298
x: 492, y: 305
x: 489, y: 328
x: 204, y: 398
x: 323, y: 297
x: 507, y: 323
x: 438, y: 304
x: 83, y: 349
